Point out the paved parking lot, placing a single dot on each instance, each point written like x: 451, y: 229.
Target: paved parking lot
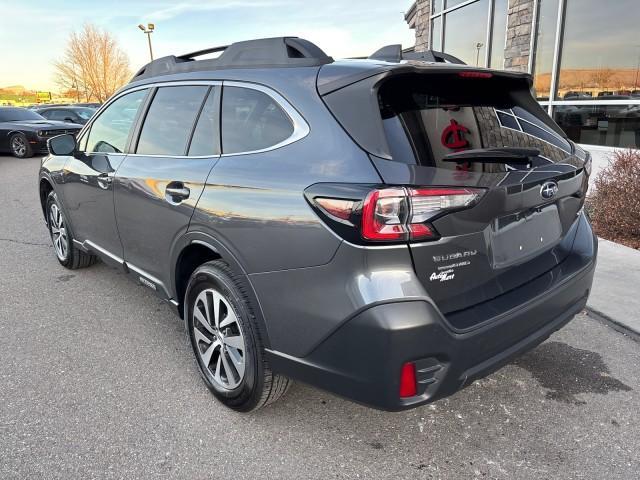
x: 97, y: 381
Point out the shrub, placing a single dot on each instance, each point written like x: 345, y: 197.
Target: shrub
x: 615, y: 204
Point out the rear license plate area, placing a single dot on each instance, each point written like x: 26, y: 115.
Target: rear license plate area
x: 520, y: 236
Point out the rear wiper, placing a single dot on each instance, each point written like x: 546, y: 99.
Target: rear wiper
x: 494, y: 155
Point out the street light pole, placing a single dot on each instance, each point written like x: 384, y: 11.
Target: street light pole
x: 148, y: 30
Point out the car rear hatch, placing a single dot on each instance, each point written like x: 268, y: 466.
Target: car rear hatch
x: 456, y: 127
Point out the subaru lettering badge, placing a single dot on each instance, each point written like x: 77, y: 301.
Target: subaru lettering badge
x: 549, y: 190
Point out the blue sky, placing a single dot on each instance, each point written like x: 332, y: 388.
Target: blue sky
x: 35, y: 32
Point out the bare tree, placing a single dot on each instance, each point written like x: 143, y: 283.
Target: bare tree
x: 93, y: 64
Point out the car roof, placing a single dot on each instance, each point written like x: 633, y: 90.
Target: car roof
x: 268, y: 54
x: 276, y: 52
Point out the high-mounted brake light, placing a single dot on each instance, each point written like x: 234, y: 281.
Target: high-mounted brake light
x: 472, y: 74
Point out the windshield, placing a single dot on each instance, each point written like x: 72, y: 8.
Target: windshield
x: 84, y: 112
x: 425, y: 121
x: 18, y: 114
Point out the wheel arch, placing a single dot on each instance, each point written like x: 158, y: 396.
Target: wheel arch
x: 45, y: 187
x: 197, y: 248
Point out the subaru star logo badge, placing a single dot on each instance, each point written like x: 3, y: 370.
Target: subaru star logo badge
x: 549, y: 190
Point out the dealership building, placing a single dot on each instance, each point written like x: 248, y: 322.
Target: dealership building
x: 584, y: 56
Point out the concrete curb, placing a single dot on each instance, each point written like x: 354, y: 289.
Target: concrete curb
x: 610, y: 322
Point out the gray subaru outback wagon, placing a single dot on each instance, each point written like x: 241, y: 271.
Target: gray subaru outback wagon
x: 388, y: 229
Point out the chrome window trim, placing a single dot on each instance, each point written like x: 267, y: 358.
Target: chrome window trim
x: 300, y: 126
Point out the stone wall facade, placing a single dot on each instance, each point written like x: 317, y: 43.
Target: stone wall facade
x: 422, y: 25
x: 519, y: 28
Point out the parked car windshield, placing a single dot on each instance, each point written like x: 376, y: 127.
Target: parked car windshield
x: 18, y: 114
x: 84, y: 112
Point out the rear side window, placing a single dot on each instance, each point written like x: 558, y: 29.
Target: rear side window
x: 110, y: 131
x: 170, y: 120
x: 252, y: 120
x: 206, y: 136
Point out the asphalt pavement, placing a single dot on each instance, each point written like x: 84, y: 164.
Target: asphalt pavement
x: 97, y: 381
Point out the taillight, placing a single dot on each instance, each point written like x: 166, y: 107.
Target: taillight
x: 384, y: 215
x: 393, y: 214
x: 340, y: 209
x: 404, y: 213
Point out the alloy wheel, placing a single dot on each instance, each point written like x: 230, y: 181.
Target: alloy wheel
x: 18, y: 146
x: 219, y: 339
x: 58, y: 232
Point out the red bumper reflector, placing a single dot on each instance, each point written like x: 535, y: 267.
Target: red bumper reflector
x: 408, y: 387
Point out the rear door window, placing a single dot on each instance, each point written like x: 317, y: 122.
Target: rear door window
x: 170, y: 120
x: 206, y: 136
x: 252, y: 120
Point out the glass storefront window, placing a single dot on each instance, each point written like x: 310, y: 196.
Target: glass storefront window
x: 545, y: 46
x: 465, y: 32
x: 600, y: 50
x: 607, y: 125
x: 499, y: 34
x: 436, y: 23
x: 453, y: 3
x: 436, y: 6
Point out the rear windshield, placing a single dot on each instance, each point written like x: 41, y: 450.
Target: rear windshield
x: 427, y: 118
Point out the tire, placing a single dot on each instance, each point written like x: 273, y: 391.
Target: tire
x: 229, y: 352
x: 67, y: 253
x: 20, y: 146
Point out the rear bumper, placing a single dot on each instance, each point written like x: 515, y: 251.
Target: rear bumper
x: 363, y: 358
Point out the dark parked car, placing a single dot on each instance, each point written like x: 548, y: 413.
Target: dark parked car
x: 24, y: 132
x: 88, y: 104
x: 388, y: 229
x: 68, y: 114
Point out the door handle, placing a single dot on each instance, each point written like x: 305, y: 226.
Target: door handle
x: 177, y: 191
x: 104, y: 180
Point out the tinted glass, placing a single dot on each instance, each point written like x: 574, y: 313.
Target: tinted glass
x: 251, y: 120
x: 499, y: 34
x: 436, y: 6
x: 170, y: 119
x: 545, y: 44
x: 436, y: 25
x: 611, y: 125
x: 13, y: 114
x: 206, y: 136
x: 110, y: 131
x: 425, y: 121
x: 600, y: 49
x: 57, y: 114
x: 465, y: 33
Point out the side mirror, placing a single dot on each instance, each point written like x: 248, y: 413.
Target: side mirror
x: 62, y: 144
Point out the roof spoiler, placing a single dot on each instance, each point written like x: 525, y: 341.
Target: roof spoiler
x: 265, y: 52
x: 395, y: 54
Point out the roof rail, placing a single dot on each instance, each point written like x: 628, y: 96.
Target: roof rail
x: 265, y: 52
x: 394, y: 53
